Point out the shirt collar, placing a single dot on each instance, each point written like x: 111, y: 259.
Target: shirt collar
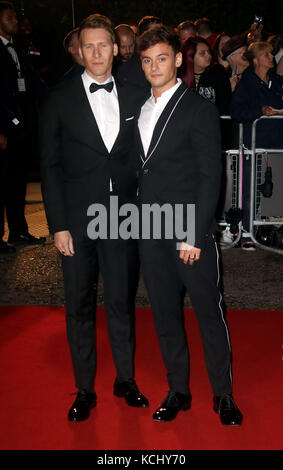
x: 90, y: 80
x: 6, y: 41
x: 166, y: 95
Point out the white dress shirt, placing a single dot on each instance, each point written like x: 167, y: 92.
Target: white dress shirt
x: 105, y: 107
x: 150, y: 113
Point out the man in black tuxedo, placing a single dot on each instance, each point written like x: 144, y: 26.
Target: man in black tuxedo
x: 20, y: 90
x: 86, y: 134
x: 180, y: 163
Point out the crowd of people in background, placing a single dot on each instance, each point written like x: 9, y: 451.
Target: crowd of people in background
x: 221, y: 68
x: 242, y: 75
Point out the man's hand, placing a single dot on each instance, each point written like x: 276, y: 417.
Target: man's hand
x: 189, y: 254
x: 3, y: 142
x: 64, y: 243
x: 269, y: 111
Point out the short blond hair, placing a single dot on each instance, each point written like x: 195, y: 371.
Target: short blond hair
x: 97, y: 21
x: 256, y: 49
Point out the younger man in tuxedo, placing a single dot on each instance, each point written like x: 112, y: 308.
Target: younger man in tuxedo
x: 180, y: 163
x: 86, y: 137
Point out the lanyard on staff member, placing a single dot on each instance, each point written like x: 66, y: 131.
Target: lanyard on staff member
x: 20, y: 80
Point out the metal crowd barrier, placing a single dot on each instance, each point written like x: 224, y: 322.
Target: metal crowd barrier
x: 237, y: 190
x: 236, y: 158
x: 254, y: 220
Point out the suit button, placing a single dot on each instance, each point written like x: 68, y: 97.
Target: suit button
x: 145, y: 172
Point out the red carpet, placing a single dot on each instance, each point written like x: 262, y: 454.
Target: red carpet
x: 36, y: 379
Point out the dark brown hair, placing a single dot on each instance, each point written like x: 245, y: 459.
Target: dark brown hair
x: 158, y: 34
x: 6, y: 6
x: 189, y: 49
x: 147, y: 22
x: 188, y: 24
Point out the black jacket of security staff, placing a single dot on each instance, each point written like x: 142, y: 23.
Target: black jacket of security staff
x: 21, y: 106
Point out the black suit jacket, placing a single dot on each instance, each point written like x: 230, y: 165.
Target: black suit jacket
x: 22, y: 106
x: 131, y: 71
x: 75, y: 164
x: 183, y: 163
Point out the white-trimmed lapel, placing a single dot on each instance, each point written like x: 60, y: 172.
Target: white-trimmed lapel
x: 162, y: 124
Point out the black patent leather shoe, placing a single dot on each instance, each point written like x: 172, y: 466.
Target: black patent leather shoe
x: 131, y: 393
x: 26, y: 239
x: 171, y: 405
x: 81, y: 407
x: 225, y: 406
x: 6, y: 248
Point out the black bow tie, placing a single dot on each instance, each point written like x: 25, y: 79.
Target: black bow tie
x: 9, y: 44
x: 107, y: 86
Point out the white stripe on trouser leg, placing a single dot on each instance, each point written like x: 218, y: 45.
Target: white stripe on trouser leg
x: 220, y: 308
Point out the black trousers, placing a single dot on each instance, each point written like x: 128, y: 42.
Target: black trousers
x: 118, y: 263
x: 13, y: 182
x: 165, y: 276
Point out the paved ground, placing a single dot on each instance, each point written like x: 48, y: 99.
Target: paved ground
x: 32, y: 275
